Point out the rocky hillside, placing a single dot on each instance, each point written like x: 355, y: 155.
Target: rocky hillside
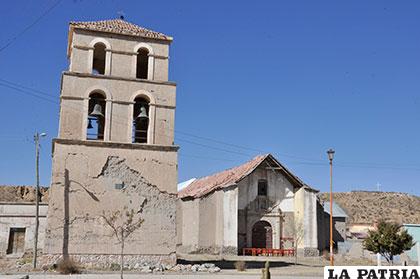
x: 21, y: 193
x: 366, y: 207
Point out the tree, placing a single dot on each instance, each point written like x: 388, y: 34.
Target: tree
x: 389, y: 239
x: 123, y: 224
x: 298, y: 233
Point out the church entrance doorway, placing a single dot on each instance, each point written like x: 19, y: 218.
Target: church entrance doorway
x: 262, y: 235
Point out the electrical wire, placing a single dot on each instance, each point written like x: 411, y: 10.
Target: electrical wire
x: 305, y: 161
x: 27, y: 28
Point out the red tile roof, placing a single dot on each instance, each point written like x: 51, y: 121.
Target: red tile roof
x: 119, y: 26
x: 230, y: 177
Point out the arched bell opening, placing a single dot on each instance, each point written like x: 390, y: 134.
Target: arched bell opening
x: 140, y: 120
x: 96, y: 117
x: 99, y: 58
x: 142, y: 67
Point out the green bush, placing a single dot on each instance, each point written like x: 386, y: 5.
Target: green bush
x: 389, y: 239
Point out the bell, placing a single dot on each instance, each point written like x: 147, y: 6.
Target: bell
x: 143, y: 114
x: 97, y: 111
x: 90, y: 124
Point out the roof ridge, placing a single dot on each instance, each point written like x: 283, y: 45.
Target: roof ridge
x: 119, y: 26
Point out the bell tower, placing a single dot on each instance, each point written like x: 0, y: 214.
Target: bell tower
x: 115, y: 148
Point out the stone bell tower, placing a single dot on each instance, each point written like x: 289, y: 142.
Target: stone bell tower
x: 115, y: 149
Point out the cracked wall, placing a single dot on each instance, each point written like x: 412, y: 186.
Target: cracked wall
x: 84, y: 188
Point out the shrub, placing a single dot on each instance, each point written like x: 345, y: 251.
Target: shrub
x: 25, y: 260
x: 67, y: 266
x: 240, y: 265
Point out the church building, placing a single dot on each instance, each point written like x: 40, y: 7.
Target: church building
x: 115, y: 142
x: 256, y: 208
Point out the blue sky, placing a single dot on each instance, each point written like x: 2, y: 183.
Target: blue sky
x: 292, y: 78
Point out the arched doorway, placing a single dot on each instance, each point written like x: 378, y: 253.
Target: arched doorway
x: 262, y: 235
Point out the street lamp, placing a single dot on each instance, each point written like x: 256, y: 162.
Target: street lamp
x: 37, y: 137
x: 330, y: 153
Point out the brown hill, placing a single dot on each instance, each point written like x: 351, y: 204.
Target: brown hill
x: 366, y: 207
x: 21, y: 193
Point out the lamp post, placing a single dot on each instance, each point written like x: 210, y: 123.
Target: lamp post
x: 330, y: 153
x: 37, y: 137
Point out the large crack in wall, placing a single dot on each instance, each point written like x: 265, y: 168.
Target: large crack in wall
x: 91, y: 197
x: 137, y: 186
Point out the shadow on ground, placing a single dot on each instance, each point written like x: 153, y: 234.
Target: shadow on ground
x: 231, y: 264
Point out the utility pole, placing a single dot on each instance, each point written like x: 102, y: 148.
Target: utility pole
x: 330, y: 153
x: 37, y: 137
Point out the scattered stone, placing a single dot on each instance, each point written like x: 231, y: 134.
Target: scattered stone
x: 195, y: 268
x: 208, y: 265
x: 214, y: 269
x: 145, y: 269
x: 177, y: 268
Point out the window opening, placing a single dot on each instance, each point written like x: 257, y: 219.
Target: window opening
x: 262, y: 187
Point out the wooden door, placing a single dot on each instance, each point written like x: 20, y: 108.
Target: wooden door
x: 16, y: 243
x: 262, y: 235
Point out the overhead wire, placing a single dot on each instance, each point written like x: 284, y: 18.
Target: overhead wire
x: 305, y: 161
x: 45, y: 96
x: 24, y: 30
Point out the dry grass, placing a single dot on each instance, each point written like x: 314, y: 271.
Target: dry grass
x: 68, y: 266
x: 367, y: 207
x: 240, y: 265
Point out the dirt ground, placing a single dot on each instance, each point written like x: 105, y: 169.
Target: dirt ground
x: 307, y: 267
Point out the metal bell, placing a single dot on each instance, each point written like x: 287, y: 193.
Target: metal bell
x: 90, y: 124
x: 97, y: 111
x: 143, y: 114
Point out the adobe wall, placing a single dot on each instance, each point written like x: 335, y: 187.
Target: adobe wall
x: 84, y: 190
x: 188, y: 224
x: 22, y: 215
x: 209, y: 223
x: 306, y: 222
